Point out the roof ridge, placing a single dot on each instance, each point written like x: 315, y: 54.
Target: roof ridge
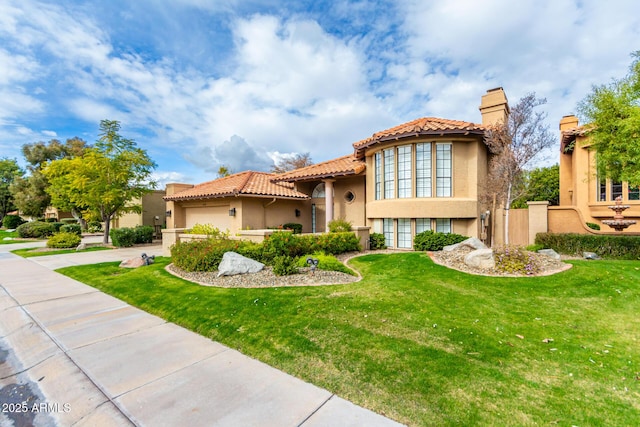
x: 244, y: 183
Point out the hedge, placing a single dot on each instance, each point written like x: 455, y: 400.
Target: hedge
x: 36, y: 230
x: 71, y: 228
x: 432, y: 241
x: 12, y: 221
x: 64, y: 240
x: 606, y: 246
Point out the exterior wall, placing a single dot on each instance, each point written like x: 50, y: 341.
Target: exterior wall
x: 469, y: 172
x: 175, y: 214
x: 354, y: 210
x: 579, y: 186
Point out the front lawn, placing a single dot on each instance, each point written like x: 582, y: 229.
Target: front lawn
x: 33, y: 252
x: 12, y: 235
x: 426, y: 345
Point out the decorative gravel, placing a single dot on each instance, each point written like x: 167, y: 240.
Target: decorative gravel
x: 265, y: 278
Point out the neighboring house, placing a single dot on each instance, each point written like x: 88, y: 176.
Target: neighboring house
x: 426, y: 174
x: 584, y: 195
x: 152, y: 214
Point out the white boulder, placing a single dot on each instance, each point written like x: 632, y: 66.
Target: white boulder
x: 480, y: 258
x: 233, y: 263
x: 471, y: 243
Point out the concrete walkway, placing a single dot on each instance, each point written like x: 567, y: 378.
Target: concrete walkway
x: 79, y: 357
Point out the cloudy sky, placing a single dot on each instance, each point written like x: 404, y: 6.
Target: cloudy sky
x: 205, y: 83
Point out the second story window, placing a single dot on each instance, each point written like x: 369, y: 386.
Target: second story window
x: 389, y: 173
x: 404, y: 172
x: 423, y: 170
x: 443, y: 170
x: 377, y: 159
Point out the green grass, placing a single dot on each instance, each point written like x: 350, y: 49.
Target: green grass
x: 33, y: 252
x: 12, y: 234
x: 426, y: 345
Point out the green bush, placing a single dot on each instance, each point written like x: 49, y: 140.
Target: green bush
x: 339, y: 225
x: 335, y: 243
x: 71, y: 228
x: 284, y: 265
x: 515, y: 260
x: 606, y: 246
x: 123, y: 237
x: 206, y: 254
x: 57, y: 225
x: 12, y: 221
x: 69, y: 221
x: 36, y: 230
x: 209, y: 230
x: 283, y: 243
x: 51, y: 220
x: 377, y: 241
x: 593, y: 226
x: 63, y: 240
x: 143, y: 234
x: 297, y: 228
x: 432, y: 241
x: 325, y: 262
x: 534, y: 248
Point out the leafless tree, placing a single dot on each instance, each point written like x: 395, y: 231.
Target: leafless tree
x: 290, y: 163
x: 513, y: 145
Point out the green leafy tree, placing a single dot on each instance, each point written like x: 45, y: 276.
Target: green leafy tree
x: 540, y: 184
x: 613, y: 112
x: 104, y: 181
x: 9, y: 172
x: 30, y: 192
x: 224, y: 171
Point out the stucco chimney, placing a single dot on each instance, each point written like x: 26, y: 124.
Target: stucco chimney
x: 568, y: 122
x: 494, y: 107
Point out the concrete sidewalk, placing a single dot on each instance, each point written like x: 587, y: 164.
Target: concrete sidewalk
x: 84, y: 358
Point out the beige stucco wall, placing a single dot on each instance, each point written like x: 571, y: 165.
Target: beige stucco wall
x: 152, y: 206
x: 578, y: 187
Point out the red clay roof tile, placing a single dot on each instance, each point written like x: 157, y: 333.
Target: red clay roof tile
x: 342, y: 166
x: 248, y: 183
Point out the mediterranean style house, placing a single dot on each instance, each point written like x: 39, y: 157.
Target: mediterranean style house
x: 426, y: 174
x: 584, y: 195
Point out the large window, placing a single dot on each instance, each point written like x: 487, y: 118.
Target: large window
x: 443, y: 225
x: 423, y: 224
x: 377, y: 158
x: 634, y: 193
x: 443, y: 170
x: 387, y: 229
x: 423, y: 170
x: 616, y: 190
x: 404, y: 171
x: 404, y: 233
x: 389, y: 173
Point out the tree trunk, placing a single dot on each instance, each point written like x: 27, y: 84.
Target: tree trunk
x: 506, y: 215
x: 107, y: 226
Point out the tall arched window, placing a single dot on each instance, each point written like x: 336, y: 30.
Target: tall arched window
x: 318, y: 192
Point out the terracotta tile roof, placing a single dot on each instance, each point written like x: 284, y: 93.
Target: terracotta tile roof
x: 568, y: 137
x: 424, y: 126
x: 342, y: 166
x: 246, y: 183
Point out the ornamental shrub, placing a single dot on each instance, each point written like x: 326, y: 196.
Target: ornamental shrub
x: 57, y: 225
x: 325, y: 262
x: 284, y: 265
x: 94, y: 226
x: 36, y: 230
x: 12, y: 221
x: 64, y: 240
x: 71, y: 228
x: 593, y: 225
x: 336, y: 243
x: 69, y: 221
x: 123, y: 237
x: 297, y: 228
x: 606, y: 246
x: 515, y: 260
x: 431, y: 241
x: 143, y: 234
x: 377, y: 241
x: 204, y: 254
x: 51, y: 219
x: 339, y: 225
x: 209, y: 230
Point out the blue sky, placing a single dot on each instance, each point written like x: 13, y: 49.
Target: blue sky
x: 205, y: 83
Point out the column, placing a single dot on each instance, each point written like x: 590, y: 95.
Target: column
x: 328, y: 200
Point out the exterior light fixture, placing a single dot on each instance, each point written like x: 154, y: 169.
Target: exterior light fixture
x: 168, y: 213
x: 297, y: 212
x: 232, y: 212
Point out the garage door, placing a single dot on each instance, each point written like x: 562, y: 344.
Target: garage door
x: 217, y: 216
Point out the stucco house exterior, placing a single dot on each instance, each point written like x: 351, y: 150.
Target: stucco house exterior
x: 424, y: 174
x: 584, y: 195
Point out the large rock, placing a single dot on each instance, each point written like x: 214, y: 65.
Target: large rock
x: 138, y: 261
x: 471, y: 243
x: 480, y: 258
x: 550, y: 253
x: 233, y: 263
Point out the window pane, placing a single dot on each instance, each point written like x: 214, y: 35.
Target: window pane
x: 404, y: 171
x: 616, y: 190
x: 423, y: 170
x: 387, y: 226
x: 602, y: 190
x: 378, y: 175
x: 443, y: 225
x: 443, y: 170
x: 389, y: 174
x: 423, y: 224
x: 404, y: 233
x: 634, y: 193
